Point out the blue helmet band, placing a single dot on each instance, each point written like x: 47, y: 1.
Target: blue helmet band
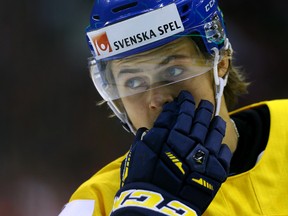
x: 145, y: 25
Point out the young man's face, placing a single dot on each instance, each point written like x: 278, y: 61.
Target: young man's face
x: 147, y: 81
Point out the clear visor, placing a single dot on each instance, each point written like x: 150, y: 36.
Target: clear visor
x: 126, y: 77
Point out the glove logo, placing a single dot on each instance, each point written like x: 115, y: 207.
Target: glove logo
x: 210, y: 5
x: 176, y: 162
x: 102, y: 44
x: 199, y: 156
x: 203, y: 183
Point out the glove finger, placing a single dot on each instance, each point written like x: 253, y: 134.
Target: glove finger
x: 155, y: 138
x: 185, y: 96
x: 157, y: 135
x: 215, y: 170
x: 180, y: 143
x: 183, y: 123
x: 141, y: 158
x: 178, y: 139
x: 139, y: 133
x: 166, y: 118
x: 215, y: 135
x: 225, y: 156
x: 203, y: 115
x: 186, y: 112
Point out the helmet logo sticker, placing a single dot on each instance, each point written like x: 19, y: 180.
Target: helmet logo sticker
x: 136, y: 32
x: 102, y: 44
x: 210, y: 5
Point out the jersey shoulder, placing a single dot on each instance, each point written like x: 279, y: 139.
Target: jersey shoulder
x: 96, y: 195
x: 105, y: 180
x: 281, y: 104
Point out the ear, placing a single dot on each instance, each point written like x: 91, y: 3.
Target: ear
x: 223, y: 66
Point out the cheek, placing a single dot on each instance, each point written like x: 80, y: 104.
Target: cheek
x: 136, y: 111
x: 203, y: 92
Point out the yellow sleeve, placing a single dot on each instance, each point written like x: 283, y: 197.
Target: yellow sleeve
x: 96, y: 196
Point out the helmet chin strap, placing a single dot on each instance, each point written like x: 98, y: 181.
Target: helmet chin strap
x: 219, y: 82
x: 126, y: 124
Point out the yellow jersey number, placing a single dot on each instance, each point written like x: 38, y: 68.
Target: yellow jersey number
x: 151, y: 200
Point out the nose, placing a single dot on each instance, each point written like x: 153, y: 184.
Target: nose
x: 158, y: 98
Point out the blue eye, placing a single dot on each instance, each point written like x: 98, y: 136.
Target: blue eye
x: 172, y: 72
x: 136, y: 83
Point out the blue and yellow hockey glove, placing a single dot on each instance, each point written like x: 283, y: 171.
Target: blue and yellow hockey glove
x: 176, y: 167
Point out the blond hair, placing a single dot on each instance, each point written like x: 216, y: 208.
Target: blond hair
x: 236, y: 85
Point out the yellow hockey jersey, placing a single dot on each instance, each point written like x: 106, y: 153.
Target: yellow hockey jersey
x: 261, y: 190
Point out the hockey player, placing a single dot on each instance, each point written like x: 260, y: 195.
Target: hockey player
x: 165, y: 69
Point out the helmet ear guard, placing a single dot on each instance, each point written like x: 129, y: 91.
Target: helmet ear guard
x: 119, y: 114
x: 122, y: 116
x: 220, y: 82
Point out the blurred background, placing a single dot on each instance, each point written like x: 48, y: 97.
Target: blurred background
x: 53, y: 137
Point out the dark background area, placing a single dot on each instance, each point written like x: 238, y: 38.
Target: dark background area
x: 52, y: 135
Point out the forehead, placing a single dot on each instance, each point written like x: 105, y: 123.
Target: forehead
x: 183, y: 46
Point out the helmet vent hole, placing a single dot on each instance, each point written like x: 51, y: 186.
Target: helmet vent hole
x: 184, y: 18
x: 185, y: 8
x: 124, y: 7
x: 96, y: 17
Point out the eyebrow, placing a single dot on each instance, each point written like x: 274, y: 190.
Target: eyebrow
x: 129, y: 70
x: 161, y: 64
x: 170, y: 58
